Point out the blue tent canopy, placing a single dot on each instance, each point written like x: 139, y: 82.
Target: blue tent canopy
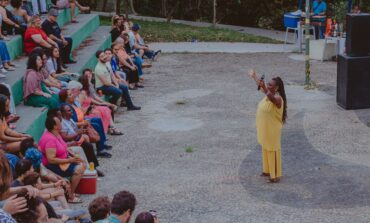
x: 349, y: 5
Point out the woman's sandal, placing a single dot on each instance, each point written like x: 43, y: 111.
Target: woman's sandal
x: 12, y: 118
x: 114, y: 132
x: 275, y: 180
x: 75, y: 200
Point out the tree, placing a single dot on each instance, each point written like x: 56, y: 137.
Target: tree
x: 214, y: 20
x: 131, y: 3
x: 118, y: 7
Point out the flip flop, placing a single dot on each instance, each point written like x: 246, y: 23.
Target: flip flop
x: 115, y: 132
x: 75, y: 200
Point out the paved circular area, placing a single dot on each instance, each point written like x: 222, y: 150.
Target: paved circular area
x: 208, y: 103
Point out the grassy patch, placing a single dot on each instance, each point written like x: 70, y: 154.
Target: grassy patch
x: 181, y: 102
x: 164, y: 32
x: 189, y: 149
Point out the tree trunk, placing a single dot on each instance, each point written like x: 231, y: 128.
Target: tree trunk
x: 118, y: 7
x: 104, y: 5
x: 132, y: 7
x: 170, y: 14
x: 164, y: 8
x: 214, y: 13
x: 199, y: 14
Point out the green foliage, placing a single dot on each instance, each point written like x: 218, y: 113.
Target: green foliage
x: 189, y: 149
x: 339, y: 9
x: 164, y: 32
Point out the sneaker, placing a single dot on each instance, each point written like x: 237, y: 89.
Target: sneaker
x: 2, y: 70
x: 9, y: 68
x: 103, y: 154
x: 133, y: 108
x: 108, y: 147
x: 2, y: 75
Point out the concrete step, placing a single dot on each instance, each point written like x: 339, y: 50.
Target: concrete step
x: 78, y: 31
x: 33, y: 119
x: 15, y: 44
x: 85, y: 54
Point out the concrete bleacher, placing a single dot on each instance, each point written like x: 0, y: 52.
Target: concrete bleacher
x: 88, y: 36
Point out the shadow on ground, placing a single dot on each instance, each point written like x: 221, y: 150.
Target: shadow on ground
x: 311, y: 179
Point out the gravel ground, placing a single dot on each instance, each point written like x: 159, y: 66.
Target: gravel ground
x: 191, y: 152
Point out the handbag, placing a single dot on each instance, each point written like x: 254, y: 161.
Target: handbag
x: 93, y: 134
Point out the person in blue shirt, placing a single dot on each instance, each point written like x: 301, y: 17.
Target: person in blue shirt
x: 319, y: 9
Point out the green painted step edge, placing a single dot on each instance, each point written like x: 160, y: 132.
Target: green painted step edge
x: 93, y: 60
x: 65, y: 16
x: 37, y: 127
x: 79, y: 36
x: 15, y: 47
x: 17, y: 90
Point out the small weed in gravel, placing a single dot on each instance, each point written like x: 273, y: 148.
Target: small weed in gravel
x: 189, y: 149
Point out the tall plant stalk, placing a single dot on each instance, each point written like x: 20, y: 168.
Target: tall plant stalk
x: 308, y: 81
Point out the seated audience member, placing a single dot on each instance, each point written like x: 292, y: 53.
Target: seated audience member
x: 48, y: 191
x: 67, y: 97
x: 356, y: 9
x: 35, y: 92
x: 127, y: 66
x: 10, y: 138
x: 35, y: 36
x: 62, y: 4
x: 5, y: 58
x: 52, y: 29
x: 99, y: 107
x: 116, y: 28
x: 122, y: 207
x: 71, y: 132
x: 139, y: 46
x: 27, y: 5
x: 55, y: 156
x: 99, y: 208
x: 36, y: 212
x: 11, y: 116
x: 126, y: 24
x: 22, y: 168
x: 147, y: 217
x: 131, y: 65
x: 54, y: 66
x: 107, y: 83
x: 19, y: 14
x: 27, y: 176
x: 53, y: 84
x: 8, y: 22
x: 12, y: 204
x: 39, y: 7
x: 29, y: 152
x: 134, y: 55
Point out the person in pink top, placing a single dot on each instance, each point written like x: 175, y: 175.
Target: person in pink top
x: 96, y: 106
x: 55, y: 156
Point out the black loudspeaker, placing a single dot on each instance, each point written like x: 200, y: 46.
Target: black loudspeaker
x: 353, y: 82
x: 358, y: 35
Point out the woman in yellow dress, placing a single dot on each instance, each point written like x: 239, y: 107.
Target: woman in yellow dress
x: 270, y: 117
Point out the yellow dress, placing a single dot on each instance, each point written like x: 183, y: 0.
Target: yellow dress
x: 269, y: 124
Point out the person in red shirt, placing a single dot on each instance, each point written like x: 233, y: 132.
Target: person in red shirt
x: 35, y: 36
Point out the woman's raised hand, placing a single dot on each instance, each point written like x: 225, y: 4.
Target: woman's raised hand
x: 252, y: 74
